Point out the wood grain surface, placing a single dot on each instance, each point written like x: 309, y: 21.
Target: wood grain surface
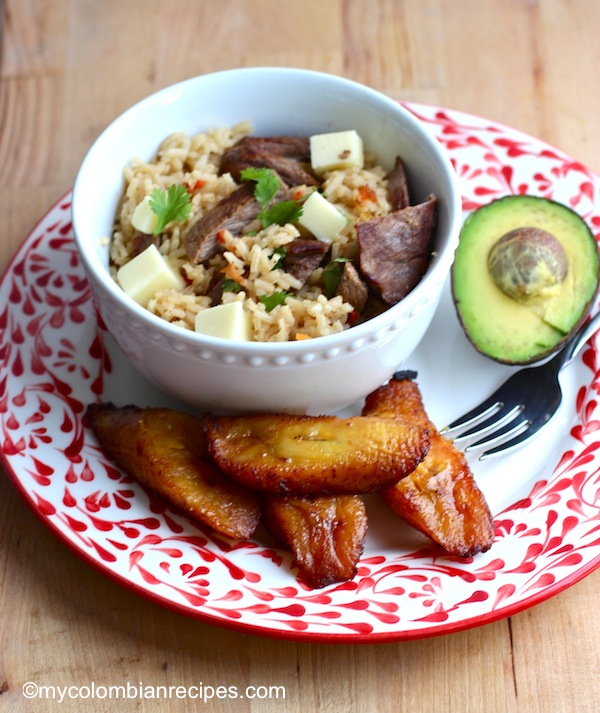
x: 68, y: 67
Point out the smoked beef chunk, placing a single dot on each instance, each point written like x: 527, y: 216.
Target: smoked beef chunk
x: 232, y: 213
x: 142, y: 241
x: 398, y: 186
x: 288, y: 156
x: 216, y: 292
x: 302, y: 256
x: 394, y: 249
x: 351, y: 288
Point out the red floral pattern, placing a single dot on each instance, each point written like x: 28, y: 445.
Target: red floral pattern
x: 55, y: 357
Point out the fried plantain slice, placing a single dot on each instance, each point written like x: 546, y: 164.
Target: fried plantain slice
x: 284, y: 454
x: 441, y: 497
x: 326, y: 534
x: 166, y: 451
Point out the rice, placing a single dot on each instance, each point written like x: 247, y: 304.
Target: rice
x: 251, y: 261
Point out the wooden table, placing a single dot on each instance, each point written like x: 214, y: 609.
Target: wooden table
x: 68, y: 68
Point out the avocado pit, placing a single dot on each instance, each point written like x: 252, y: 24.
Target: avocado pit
x: 528, y: 263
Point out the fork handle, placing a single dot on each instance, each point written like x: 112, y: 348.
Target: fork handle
x: 579, y: 339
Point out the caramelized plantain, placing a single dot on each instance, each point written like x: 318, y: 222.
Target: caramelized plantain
x: 166, y: 451
x: 326, y: 534
x: 315, y: 455
x: 441, y: 497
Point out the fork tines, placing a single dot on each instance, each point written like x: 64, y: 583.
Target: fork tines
x: 494, y: 422
x: 498, y: 424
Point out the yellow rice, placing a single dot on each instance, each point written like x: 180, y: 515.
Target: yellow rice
x: 361, y: 194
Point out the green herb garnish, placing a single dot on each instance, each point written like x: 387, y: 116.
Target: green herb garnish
x: 281, y: 251
x: 332, y: 274
x: 267, y: 187
x: 173, y: 204
x: 272, y: 301
x: 267, y: 183
x: 229, y: 285
x: 282, y: 213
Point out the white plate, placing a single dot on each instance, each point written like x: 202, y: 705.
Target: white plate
x: 55, y: 358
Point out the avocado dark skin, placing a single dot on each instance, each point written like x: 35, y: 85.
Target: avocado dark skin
x: 525, y: 276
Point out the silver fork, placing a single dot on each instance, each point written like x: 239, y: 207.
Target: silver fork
x: 522, y: 405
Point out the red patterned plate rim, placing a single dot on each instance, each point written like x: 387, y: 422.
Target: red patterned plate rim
x: 55, y: 357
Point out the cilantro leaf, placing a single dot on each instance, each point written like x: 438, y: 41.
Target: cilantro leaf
x: 267, y: 187
x: 332, y: 274
x: 174, y: 204
x: 282, y: 213
x: 229, y: 285
x: 267, y: 183
x: 272, y: 301
x: 281, y: 251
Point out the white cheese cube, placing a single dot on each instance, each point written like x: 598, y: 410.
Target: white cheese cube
x: 147, y: 273
x: 322, y: 218
x: 340, y: 149
x: 144, y: 218
x: 229, y: 321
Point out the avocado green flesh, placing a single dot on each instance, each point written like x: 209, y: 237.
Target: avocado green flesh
x: 501, y: 327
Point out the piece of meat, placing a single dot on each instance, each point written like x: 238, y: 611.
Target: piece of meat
x: 166, y: 451
x: 398, y: 186
x: 140, y: 241
x: 289, y: 156
x: 302, y: 256
x: 373, y: 306
x: 394, y: 249
x: 440, y: 498
x: 215, y: 291
x: 326, y: 534
x: 231, y: 213
x: 284, y: 454
x: 351, y: 288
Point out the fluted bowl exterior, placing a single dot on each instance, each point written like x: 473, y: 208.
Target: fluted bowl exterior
x: 314, y: 376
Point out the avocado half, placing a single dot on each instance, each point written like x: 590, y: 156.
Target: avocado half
x: 523, y: 330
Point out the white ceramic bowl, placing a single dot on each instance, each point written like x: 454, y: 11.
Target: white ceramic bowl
x: 313, y: 376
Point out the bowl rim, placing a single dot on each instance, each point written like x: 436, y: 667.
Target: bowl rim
x: 417, y: 299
